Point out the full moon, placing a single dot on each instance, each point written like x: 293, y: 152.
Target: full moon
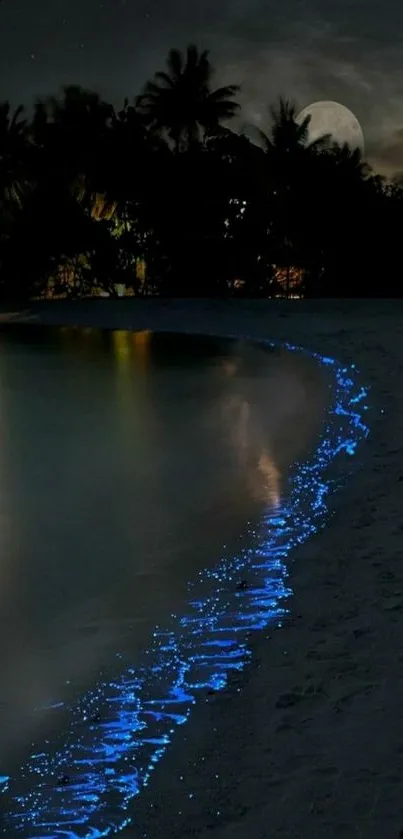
x: 335, y: 119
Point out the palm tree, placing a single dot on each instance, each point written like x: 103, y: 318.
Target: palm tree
x: 289, y: 135
x: 132, y: 154
x: 72, y: 133
x: 348, y: 163
x: 341, y: 192
x: 288, y: 174
x: 14, y: 145
x: 180, y: 101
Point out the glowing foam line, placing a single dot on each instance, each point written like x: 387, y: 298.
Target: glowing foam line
x: 81, y: 786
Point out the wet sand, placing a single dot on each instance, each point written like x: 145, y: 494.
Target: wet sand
x: 308, y: 742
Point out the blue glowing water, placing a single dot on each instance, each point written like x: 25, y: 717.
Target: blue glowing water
x: 82, y: 786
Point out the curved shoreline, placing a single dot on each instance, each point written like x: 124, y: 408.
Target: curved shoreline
x: 198, y: 653
x: 310, y: 579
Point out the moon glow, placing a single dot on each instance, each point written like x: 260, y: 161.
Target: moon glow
x: 335, y: 119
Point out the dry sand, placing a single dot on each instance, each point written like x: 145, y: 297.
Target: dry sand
x: 308, y: 742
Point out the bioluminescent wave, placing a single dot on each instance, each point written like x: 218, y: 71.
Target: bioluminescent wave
x: 81, y: 786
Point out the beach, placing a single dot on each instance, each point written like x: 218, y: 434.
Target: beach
x: 307, y: 742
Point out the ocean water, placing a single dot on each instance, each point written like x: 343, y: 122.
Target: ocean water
x: 129, y: 462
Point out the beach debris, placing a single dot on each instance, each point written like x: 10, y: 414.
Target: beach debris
x: 62, y: 780
x: 242, y: 586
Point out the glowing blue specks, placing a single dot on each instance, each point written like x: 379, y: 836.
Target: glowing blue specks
x: 80, y: 787
x: 4, y: 779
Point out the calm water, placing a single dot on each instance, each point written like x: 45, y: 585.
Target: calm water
x: 127, y: 462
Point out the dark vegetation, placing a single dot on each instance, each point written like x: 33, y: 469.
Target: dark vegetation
x: 162, y: 197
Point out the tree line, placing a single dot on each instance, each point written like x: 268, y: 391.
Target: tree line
x: 164, y: 197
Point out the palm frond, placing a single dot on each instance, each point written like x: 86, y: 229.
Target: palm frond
x: 175, y: 63
x: 165, y: 78
x: 180, y: 101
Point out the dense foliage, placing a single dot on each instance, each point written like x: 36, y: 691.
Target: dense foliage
x: 162, y: 197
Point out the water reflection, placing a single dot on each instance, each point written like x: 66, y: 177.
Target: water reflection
x: 132, y: 347
x: 256, y: 463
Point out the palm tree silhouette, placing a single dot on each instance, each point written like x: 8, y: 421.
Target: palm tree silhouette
x: 72, y: 131
x: 14, y: 146
x: 286, y: 173
x: 180, y: 101
x: 165, y: 181
x: 287, y: 136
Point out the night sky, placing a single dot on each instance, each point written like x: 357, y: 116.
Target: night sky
x: 349, y: 50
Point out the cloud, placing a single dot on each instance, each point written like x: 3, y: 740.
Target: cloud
x: 386, y: 156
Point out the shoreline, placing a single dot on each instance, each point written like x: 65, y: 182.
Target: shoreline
x: 321, y: 753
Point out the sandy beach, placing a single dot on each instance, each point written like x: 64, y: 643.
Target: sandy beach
x: 308, y: 741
